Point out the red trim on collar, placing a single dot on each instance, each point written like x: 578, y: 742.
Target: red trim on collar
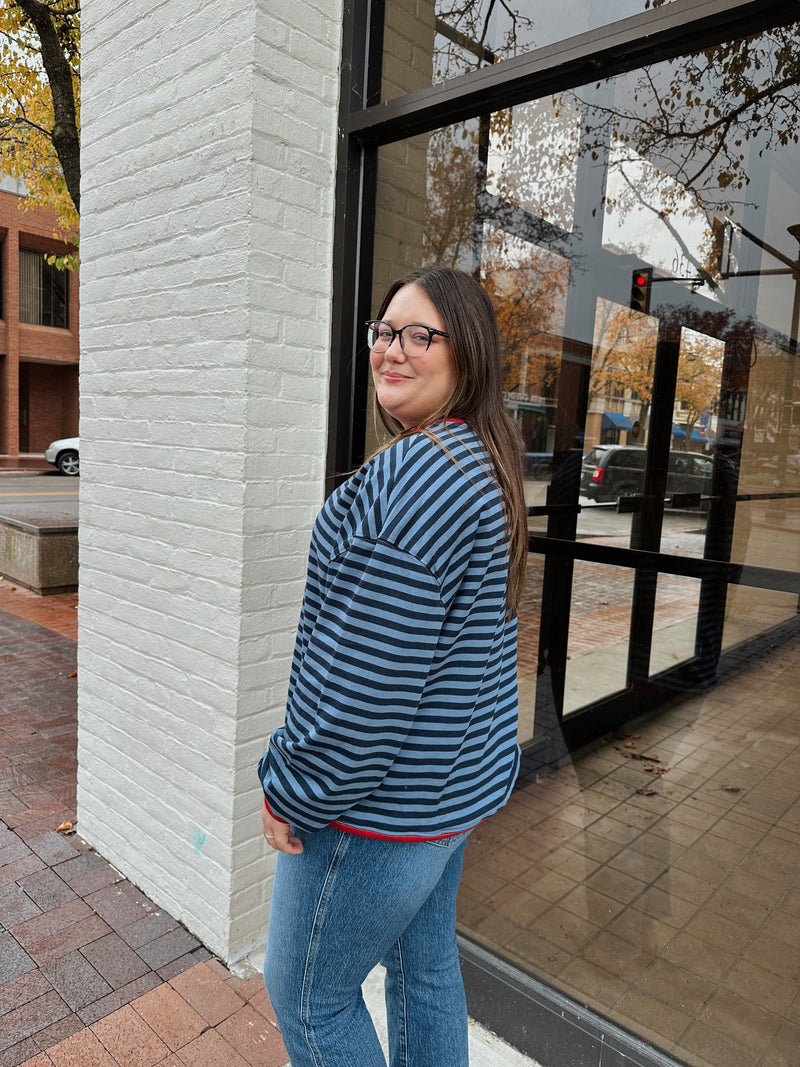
x: 445, y: 421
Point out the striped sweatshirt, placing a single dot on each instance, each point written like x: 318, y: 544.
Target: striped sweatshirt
x: 401, y: 719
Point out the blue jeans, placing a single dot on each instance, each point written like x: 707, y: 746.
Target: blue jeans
x: 342, y: 906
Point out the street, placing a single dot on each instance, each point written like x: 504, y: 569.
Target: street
x: 36, y: 488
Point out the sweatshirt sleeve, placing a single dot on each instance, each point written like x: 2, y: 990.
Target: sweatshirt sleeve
x: 358, y: 683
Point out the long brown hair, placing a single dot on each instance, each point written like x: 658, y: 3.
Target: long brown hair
x: 471, y: 324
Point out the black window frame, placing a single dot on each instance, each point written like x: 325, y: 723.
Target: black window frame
x: 366, y: 123
x: 528, y: 1012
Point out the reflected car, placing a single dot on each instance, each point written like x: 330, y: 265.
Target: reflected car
x: 611, y: 471
x: 65, y: 454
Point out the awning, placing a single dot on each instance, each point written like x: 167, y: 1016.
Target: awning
x: 679, y: 433
x: 612, y: 420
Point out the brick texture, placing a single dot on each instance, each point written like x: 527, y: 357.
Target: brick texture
x: 208, y: 164
x: 78, y: 943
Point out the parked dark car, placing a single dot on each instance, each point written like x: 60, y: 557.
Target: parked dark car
x: 611, y: 471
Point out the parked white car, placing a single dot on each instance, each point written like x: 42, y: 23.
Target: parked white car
x: 65, y: 454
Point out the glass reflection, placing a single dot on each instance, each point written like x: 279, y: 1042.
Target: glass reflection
x: 682, y: 394
x: 649, y: 862
x: 453, y: 37
x: 599, y: 633
x: 676, y: 613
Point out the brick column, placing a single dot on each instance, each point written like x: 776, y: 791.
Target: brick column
x: 10, y: 387
x: 209, y: 137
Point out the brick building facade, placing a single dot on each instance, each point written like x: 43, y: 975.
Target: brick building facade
x: 38, y: 331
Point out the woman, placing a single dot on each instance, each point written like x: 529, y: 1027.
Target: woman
x: 400, y: 730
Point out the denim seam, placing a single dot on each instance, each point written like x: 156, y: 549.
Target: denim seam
x: 404, y: 1050
x: 313, y: 943
x: 446, y: 842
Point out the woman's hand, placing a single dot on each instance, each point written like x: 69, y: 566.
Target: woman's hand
x: 278, y: 834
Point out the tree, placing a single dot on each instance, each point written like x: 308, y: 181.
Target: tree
x: 706, y: 112
x: 624, y: 355
x: 527, y: 288
x: 475, y: 32
x: 40, y: 104
x: 526, y: 283
x: 699, y: 375
x: 450, y: 216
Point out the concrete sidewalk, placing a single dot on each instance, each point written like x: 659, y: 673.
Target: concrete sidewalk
x: 92, y: 973
x: 26, y: 464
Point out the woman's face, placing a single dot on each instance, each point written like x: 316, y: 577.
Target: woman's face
x: 411, y: 388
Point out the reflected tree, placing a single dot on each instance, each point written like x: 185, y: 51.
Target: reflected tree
x: 698, y: 120
x: 699, y: 374
x: 473, y: 33
x: 624, y: 356
x: 677, y: 140
x: 528, y: 291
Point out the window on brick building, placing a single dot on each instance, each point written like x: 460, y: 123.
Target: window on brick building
x: 43, y: 291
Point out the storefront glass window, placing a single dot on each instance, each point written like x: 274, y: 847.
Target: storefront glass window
x: 640, y: 237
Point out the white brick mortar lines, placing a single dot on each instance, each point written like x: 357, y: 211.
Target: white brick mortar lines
x: 209, y: 139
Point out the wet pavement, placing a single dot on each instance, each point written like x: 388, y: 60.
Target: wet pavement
x: 92, y: 973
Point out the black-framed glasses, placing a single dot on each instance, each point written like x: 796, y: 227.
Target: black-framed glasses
x: 415, y: 340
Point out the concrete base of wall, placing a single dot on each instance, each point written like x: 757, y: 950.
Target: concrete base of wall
x: 39, y: 549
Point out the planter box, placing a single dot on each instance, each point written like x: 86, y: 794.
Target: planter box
x: 39, y: 549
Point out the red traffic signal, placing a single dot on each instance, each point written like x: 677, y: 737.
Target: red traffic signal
x: 640, y: 289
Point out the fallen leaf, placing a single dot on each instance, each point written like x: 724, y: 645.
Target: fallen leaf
x: 629, y: 744
x: 647, y: 792
x: 64, y: 828
x: 73, y: 675
x: 732, y: 788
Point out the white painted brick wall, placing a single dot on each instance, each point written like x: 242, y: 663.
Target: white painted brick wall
x: 209, y: 139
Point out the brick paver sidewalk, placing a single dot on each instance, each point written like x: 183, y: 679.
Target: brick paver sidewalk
x: 92, y: 973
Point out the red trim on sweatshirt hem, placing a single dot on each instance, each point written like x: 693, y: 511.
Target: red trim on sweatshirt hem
x: 394, y: 837
x: 277, y: 818
x: 376, y: 836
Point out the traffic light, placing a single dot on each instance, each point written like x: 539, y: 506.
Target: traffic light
x: 640, y: 289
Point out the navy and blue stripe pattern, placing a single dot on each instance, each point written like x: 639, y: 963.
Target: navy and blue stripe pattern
x: 401, y: 717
